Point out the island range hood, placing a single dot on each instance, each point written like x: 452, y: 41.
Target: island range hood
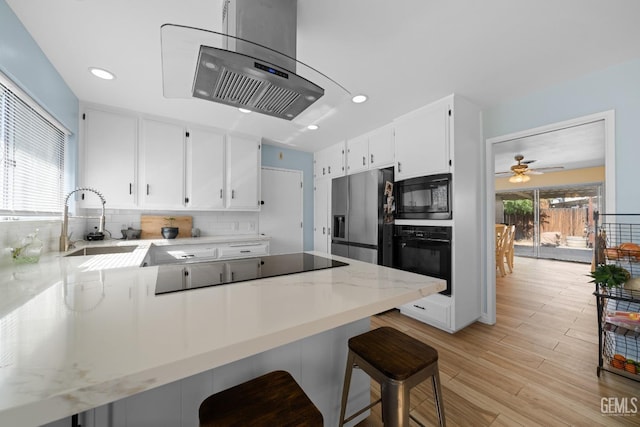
x: 252, y: 63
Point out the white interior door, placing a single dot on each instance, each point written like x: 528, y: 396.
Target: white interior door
x: 281, y: 213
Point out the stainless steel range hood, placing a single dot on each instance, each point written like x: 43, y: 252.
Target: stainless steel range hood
x: 250, y: 65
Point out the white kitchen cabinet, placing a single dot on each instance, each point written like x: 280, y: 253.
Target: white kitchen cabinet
x: 110, y: 142
x: 465, y: 144
x: 321, y: 215
x: 373, y: 150
x: 422, y: 141
x: 330, y: 162
x: 358, y: 154
x: 319, y: 167
x: 162, y: 165
x: 381, y: 147
x: 335, y: 160
x: 243, y: 173
x: 205, y: 169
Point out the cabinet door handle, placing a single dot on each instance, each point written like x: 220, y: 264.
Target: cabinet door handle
x: 186, y: 200
x: 324, y: 229
x: 233, y: 194
x: 329, y: 169
x: 130, y: 189
x: 323, y: 171
x: 147, y: 189
x: 245, y: 251
x: 221, y: 193
x: 364, y: 161
x: 399, y: 167
x: 372, y: 159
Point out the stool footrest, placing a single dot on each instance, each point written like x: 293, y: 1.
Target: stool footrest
x: 366, y: 408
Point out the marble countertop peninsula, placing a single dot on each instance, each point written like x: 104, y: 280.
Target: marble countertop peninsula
x: 77, y: 336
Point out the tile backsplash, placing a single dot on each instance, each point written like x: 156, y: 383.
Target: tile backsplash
x: 209, y: 223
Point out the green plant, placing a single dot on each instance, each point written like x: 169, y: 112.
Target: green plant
x: 169, y: 220
x: 609, y: 275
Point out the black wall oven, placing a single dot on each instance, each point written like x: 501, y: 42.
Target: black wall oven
x: 425, y: 197
x: 423, y: 250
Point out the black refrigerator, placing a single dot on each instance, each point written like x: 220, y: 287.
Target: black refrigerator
x: 362, y: 210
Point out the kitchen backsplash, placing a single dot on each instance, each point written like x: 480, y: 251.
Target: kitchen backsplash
x: 209, y: 223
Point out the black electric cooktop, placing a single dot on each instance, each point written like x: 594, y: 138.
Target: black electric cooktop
x: 182, y: 277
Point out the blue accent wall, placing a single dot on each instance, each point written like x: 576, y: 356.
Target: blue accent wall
x: 614, y: 88
x: 296, y: 160
x: 22, y: 60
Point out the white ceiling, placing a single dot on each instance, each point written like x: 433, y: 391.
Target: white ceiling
x: 570, y: 148
x: 402, y: 54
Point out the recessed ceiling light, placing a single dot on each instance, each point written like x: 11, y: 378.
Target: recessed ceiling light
x: 359, y: 99
x: 102, y: 73
x: 244, y: 110
x: 312, y: 127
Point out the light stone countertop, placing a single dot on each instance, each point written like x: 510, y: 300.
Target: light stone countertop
x: 79, y: 335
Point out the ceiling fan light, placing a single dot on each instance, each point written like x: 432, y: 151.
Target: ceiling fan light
x: 518, y: 179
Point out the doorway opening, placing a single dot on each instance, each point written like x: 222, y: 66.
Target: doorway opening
x: 489, y: 291
x: 552, y: 223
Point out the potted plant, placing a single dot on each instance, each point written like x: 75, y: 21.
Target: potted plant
x: 609, y: 276
x: 169, y: 231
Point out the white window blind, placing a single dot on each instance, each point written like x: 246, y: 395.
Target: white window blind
x: 31, y: 157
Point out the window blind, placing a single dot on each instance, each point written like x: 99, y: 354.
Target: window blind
x: 32, y: 157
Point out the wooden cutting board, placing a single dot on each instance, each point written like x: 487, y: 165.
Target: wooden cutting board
x: 151, y: 225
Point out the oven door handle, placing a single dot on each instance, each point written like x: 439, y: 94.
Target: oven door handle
x: 418, y: 239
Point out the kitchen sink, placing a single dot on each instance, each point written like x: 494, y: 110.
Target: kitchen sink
x: 99, y: 250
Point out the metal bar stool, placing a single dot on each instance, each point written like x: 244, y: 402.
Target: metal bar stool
x: 274, y: 399
x: 398, y: 363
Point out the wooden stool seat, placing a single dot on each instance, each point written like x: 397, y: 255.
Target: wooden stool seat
x: 395, y: 354
x: 274, y: 399
x: 398, y: 363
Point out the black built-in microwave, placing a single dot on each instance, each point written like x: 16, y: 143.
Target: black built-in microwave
x: 425, y: 197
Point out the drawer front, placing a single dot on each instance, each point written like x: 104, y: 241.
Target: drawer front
x: 243, y: 250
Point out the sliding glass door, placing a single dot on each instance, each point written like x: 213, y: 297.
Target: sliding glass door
x: 554, y: 223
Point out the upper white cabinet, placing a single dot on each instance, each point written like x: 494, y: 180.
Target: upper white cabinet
x: 243, y: 177
x: 205, y: 180
x: 329, y: 162
x: 381, y: 147
x: 422, y: 141
x: 162, y: 165
x: 373, y: 150
x: 110, y: 144
x: 357, y: 154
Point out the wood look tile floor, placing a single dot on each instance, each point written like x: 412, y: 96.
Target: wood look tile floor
x: 535, y: 367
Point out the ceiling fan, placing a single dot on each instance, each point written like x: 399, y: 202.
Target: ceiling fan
x: 520, y: 171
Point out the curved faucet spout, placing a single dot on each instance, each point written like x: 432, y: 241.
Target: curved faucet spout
x: 64, y: 235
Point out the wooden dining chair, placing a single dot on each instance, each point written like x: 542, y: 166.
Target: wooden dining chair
x: 501, y: 237
x: 508, y: 252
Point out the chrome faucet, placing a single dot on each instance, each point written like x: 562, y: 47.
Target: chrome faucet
x: 64, y: 235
